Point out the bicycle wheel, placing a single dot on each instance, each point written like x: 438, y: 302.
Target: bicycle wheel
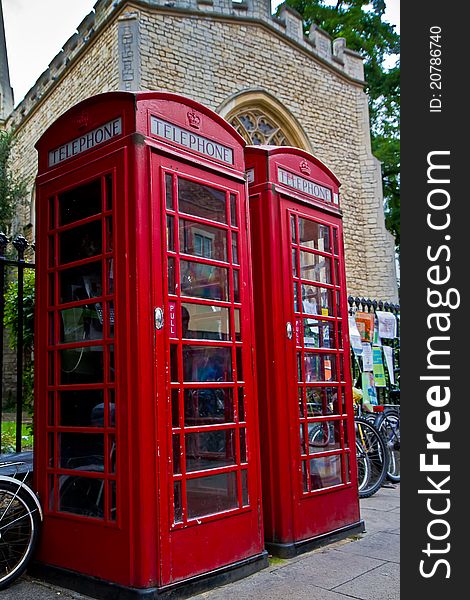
x: 363, y: 468
x: 389, y: 427
x: 374, y: 447
x: 19, y: 529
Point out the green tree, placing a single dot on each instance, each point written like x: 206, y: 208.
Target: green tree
x: 12, y: 188
x: 361, y: 23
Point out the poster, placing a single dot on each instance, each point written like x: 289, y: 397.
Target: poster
x: 387, y: 324
x: 388, y: 353
x: 354, y: 336
x: 369, y: 393
x: 367, y: 363
x: 365, y: 325
x: 378, y: 367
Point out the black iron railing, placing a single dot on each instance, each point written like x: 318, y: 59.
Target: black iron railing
x: 12, y: 268
x: 391, y: 393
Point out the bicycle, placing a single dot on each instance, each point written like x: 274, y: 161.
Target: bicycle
x: 20, y: 520
x: 388, y: 424
x: 372, y: 457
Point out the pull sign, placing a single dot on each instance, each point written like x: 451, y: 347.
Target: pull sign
x: 289, y: 330
x: 158, y: 318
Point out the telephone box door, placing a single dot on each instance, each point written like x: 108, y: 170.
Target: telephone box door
x: 204, y: 335
x: 316, y: 307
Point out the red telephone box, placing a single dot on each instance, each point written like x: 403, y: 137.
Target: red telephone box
x: 305, y: 402
x: 146, y: 455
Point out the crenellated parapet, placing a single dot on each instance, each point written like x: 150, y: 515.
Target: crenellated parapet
x: 318, y: 44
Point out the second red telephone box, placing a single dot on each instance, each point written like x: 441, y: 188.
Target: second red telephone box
x: 146, y: 455
x: 307, y: 421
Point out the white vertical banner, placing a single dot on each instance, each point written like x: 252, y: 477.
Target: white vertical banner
x: 388, y: 352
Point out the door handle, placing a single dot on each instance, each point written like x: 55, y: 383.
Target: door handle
x: 158, y: 318
x: 289, y: 330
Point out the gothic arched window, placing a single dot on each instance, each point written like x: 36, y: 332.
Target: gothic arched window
x: 260, y: 118
x: 257, y: 128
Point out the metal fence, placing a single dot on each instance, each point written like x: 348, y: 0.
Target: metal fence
x: 13, y: 265
x: 391, y: 393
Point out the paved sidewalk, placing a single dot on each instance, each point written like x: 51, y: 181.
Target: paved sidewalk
x: 365, y: 567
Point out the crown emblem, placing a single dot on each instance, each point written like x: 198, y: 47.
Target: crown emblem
x: 304, y: 167
x: 82, y: 120
x: 194, y: 119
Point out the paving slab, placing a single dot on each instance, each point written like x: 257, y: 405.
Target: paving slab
x: 382, y: 583
x: 380, y: 545
x: 376, y: 520
x: 329, y: 569
x: 381, y: 502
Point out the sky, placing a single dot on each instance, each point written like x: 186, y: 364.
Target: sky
x: 36, y: 30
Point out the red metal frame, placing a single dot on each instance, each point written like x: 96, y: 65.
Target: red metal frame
x: 299, y: 506
x: 137, y: 539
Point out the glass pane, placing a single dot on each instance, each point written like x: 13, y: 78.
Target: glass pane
x: 201, y: 201
x: 51, y: 205
x: 169, y: 191
x: 320, y: 367
x: 211, y: 495
x: 301, y: 403
x: 83, y: 451
x: 171, y: 275
x: 208, y: 406
x: 241, y: 404
x: 245, y: 499
x: 175, y: 408
x: 294, y: 263
x: 81, y: 365
x: 302, y: 439
x: 319, y: 334
x: 305, y: 476
x: 235, y: 248
x: 176, y: 454
x: 317, y: 301
x: 205, y: 322
x: 292, y: 229
x: 315, y: 267
x: 174, y: 362
x: 109, y: 277
x: 314, y: 236
x: 236, y: 315
x: 111, y: 408
x: 210, y: 449
x: 243, y: 445
x: 204, y: 281
x: 178, y: 500
x: 233, y: 210
x: 325, y: 472
x: 335, y: 240
x: 80, y: 323
x: 109, y: 191
x: 203, y: 240
x: 84, y: 408
x: 236, y: 287
x: 170, y: 233
x: 207, y: 363
x: 79, y: 203
x: 323, y: 401
x: 80, y: 242
x: 112, y: 454
x: 239, y: 356
x: 324, y: 436
x: 81, y: 496
x: 79, y: 283
x: 112, y: 501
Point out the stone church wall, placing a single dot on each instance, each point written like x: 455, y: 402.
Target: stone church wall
x: 212, y: 51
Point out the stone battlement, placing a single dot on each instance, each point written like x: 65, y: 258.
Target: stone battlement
x: 288, y: 24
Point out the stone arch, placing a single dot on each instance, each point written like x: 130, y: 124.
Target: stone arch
x: 261, y: 119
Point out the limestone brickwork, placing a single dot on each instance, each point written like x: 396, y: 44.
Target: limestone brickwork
x: 215, y: 51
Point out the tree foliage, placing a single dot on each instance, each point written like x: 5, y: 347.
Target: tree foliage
x: 12, y: 188
x: 361, y: 23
